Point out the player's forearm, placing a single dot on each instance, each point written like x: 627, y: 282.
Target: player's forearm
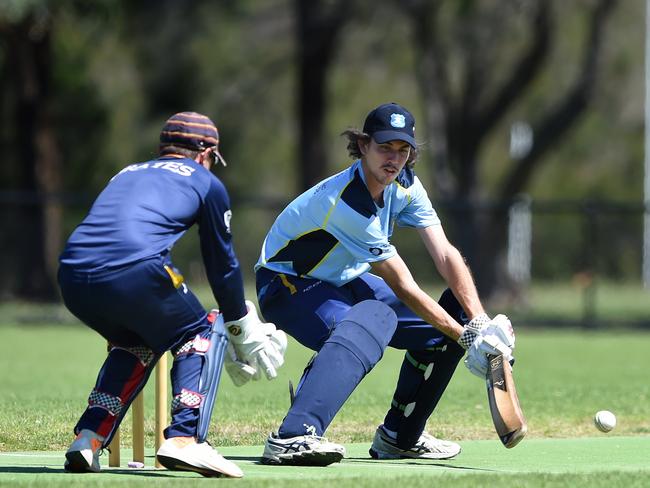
x: 229, y: 294
x: 397, y: 275
x: 451, y: 266
x: 225, y: 278
x: 429, y: 310
x: 459, y: 278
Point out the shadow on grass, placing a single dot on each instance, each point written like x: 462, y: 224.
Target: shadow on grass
x: 420, y: 463
x: 30, y: 469
x: 253, y: 459
x: 149, y: 473
x: 46, y: 470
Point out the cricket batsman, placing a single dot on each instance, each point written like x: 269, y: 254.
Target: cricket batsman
x: 329, y: 276
x: 116, y: 275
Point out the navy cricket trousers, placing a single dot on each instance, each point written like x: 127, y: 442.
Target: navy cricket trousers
x: 143, y: 309
x: 309, y: 310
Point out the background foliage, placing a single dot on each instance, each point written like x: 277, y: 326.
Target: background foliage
x: 85, y: 88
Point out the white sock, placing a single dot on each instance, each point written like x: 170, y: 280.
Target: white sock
x: 94, y: 434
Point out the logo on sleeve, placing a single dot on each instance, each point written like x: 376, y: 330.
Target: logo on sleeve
x: 227, y: 215
x: 381, y: 249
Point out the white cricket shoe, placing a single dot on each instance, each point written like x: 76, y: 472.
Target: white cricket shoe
x: 83, y: 454
x: 185, y: 454
x: 384, y: 446
x: 303, y: 450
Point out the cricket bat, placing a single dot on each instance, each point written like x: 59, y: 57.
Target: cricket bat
x: 507, y: 415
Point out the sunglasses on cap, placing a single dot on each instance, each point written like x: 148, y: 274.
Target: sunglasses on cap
x: 216, y: 156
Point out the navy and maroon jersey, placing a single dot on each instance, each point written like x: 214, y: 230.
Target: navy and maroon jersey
x: 145, y: 209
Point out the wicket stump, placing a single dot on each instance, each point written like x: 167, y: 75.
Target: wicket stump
x: 137, y: 418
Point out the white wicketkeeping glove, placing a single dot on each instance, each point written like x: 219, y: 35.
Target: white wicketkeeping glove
x: 496, y: 338
x: 240, y: 373
x: 256, y: 344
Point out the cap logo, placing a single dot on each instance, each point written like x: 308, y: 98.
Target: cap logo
x: 398, y: 121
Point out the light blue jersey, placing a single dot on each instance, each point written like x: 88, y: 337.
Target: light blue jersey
x: 334, y: 230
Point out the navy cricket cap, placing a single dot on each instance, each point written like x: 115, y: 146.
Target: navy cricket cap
x: 191, y: 130
x: 390, y: 122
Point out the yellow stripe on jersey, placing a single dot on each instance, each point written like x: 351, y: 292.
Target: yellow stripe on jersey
x: 290, y: 241
x: 177, y: 278
x: 285, y: 282
x: 405, y: 190
x: 329, y: 212
x: 324, y: 258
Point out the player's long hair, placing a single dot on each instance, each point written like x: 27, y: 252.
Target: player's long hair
x: 355, y: 135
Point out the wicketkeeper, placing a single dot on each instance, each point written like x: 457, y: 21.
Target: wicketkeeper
x: 314, y: 281
x: 117, y: 276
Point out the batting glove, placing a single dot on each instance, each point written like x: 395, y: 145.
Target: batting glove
x: 495, y: 339
x: 472, y: 329
x: 501, y: 327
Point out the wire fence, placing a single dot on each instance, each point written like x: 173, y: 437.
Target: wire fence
x: 591, y: 250
x: 568, y: 263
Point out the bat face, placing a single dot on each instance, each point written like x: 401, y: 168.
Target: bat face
x: 507, y: 415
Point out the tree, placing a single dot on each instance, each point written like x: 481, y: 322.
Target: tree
x: 468, y: 88
x: 30, y: 144
x: 318, y: 28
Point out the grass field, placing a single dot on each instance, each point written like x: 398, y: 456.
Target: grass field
x: 563, y: 378
x: 611, y: 303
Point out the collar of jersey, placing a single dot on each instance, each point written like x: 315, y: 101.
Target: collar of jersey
x: 362, y: 174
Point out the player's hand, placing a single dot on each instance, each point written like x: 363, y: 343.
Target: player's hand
x: 271, y: 356
x: 257, y: 344
x: 240, y: 372
x: 501, y: 327
x: 488, y: 343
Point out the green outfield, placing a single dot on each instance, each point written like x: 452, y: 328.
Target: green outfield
x: 563, y: 378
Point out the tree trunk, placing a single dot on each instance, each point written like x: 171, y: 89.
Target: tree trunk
x: 467, y: 119
x: 317, y: 29
x: 35, y: 240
